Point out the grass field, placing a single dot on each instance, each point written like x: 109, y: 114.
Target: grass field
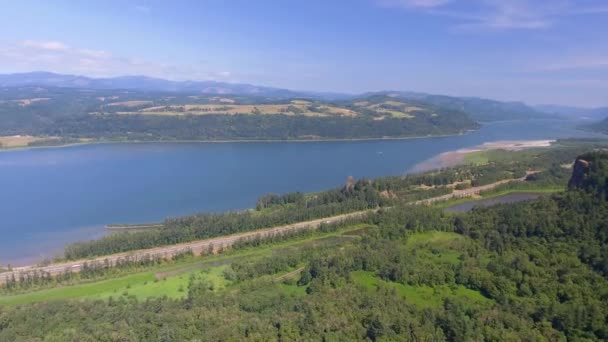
x: 477, y: 158
x: 293, y: 289
x: 172, y: 280
x: 172, y: 287
x: 296, y: 107
x: 442, y: 248
x: 17, y: 141
x: 77, y: 291
x: 502, y: 155
x: 421, y: 296
x: 394, y: 109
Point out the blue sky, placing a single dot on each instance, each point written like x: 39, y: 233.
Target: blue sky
x: 538, y: 51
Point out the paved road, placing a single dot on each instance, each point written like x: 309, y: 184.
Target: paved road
x: 215, y: 245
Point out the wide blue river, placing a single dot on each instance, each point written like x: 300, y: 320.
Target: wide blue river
x: 53, y: 196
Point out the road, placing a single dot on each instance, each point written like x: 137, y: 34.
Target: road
x: 215, y: 245
x: 199, y: 247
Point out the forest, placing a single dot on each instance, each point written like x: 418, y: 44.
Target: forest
x: 529, y: 271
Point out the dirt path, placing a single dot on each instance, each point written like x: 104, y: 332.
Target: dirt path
x: 289, y: 275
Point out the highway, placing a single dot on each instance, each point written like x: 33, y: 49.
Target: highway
x: 217, y: 244
x: 213, y: 245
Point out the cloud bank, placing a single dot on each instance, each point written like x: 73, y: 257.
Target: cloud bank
x: 59, y: 57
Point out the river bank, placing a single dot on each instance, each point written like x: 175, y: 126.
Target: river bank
x: 459, y: 157
x: 87, y: 141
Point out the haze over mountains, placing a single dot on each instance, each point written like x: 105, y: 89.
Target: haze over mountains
x: 478, y: 108
x: 575, y: 112
x: 49, y: 79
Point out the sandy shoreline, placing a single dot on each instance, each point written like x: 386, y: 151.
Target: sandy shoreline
x: 244, y: 141
x: 453, y: 158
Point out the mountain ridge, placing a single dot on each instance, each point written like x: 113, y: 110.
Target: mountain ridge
x: 480, y: 109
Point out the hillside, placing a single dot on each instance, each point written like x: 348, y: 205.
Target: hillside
x: 483, y: 110
x: 479, y: 109
x: 600, y: 126
x: 82, y: 113
x: 574, y: 112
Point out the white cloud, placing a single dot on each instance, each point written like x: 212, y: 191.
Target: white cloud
x: 413, y: 3
x: 501, y: 14
x: 59, y: 57
x: 44, y: 45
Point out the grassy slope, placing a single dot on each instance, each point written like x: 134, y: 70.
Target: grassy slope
x: 421, y: 296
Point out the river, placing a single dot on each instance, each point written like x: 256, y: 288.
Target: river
x: 53, y: 196
x: 508, y: 198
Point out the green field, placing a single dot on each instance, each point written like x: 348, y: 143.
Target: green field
x: 172, y: 280
x: 443, y: 248
x: 477, y: 158
x: 446, y: 245
x: 421, y: 296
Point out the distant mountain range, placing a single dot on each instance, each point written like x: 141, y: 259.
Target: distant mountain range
x: 143, y: 83
x: 575, y: 112
x: 478, y: 108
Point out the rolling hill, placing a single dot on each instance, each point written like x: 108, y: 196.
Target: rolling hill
x: 479, y: 109
x: 109, y: 114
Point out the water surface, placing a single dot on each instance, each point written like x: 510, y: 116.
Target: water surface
x: 56, y: 195
x: 508, y: 198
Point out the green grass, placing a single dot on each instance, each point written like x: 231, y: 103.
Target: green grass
x: 77, y: 291
x: 433, y: 237
x: 421, y: 296
x: 143, y: 285
x: 501, y: 155
x: 443, y: 247
x: 293, y: 289
x: 477, y: 158
x: 173, y: 287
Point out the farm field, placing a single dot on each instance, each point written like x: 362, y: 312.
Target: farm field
x: 295, y: 107
x: 379, y: 110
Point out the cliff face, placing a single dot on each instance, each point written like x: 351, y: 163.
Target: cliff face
x: 579, y: 173
x: 590, y: 173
